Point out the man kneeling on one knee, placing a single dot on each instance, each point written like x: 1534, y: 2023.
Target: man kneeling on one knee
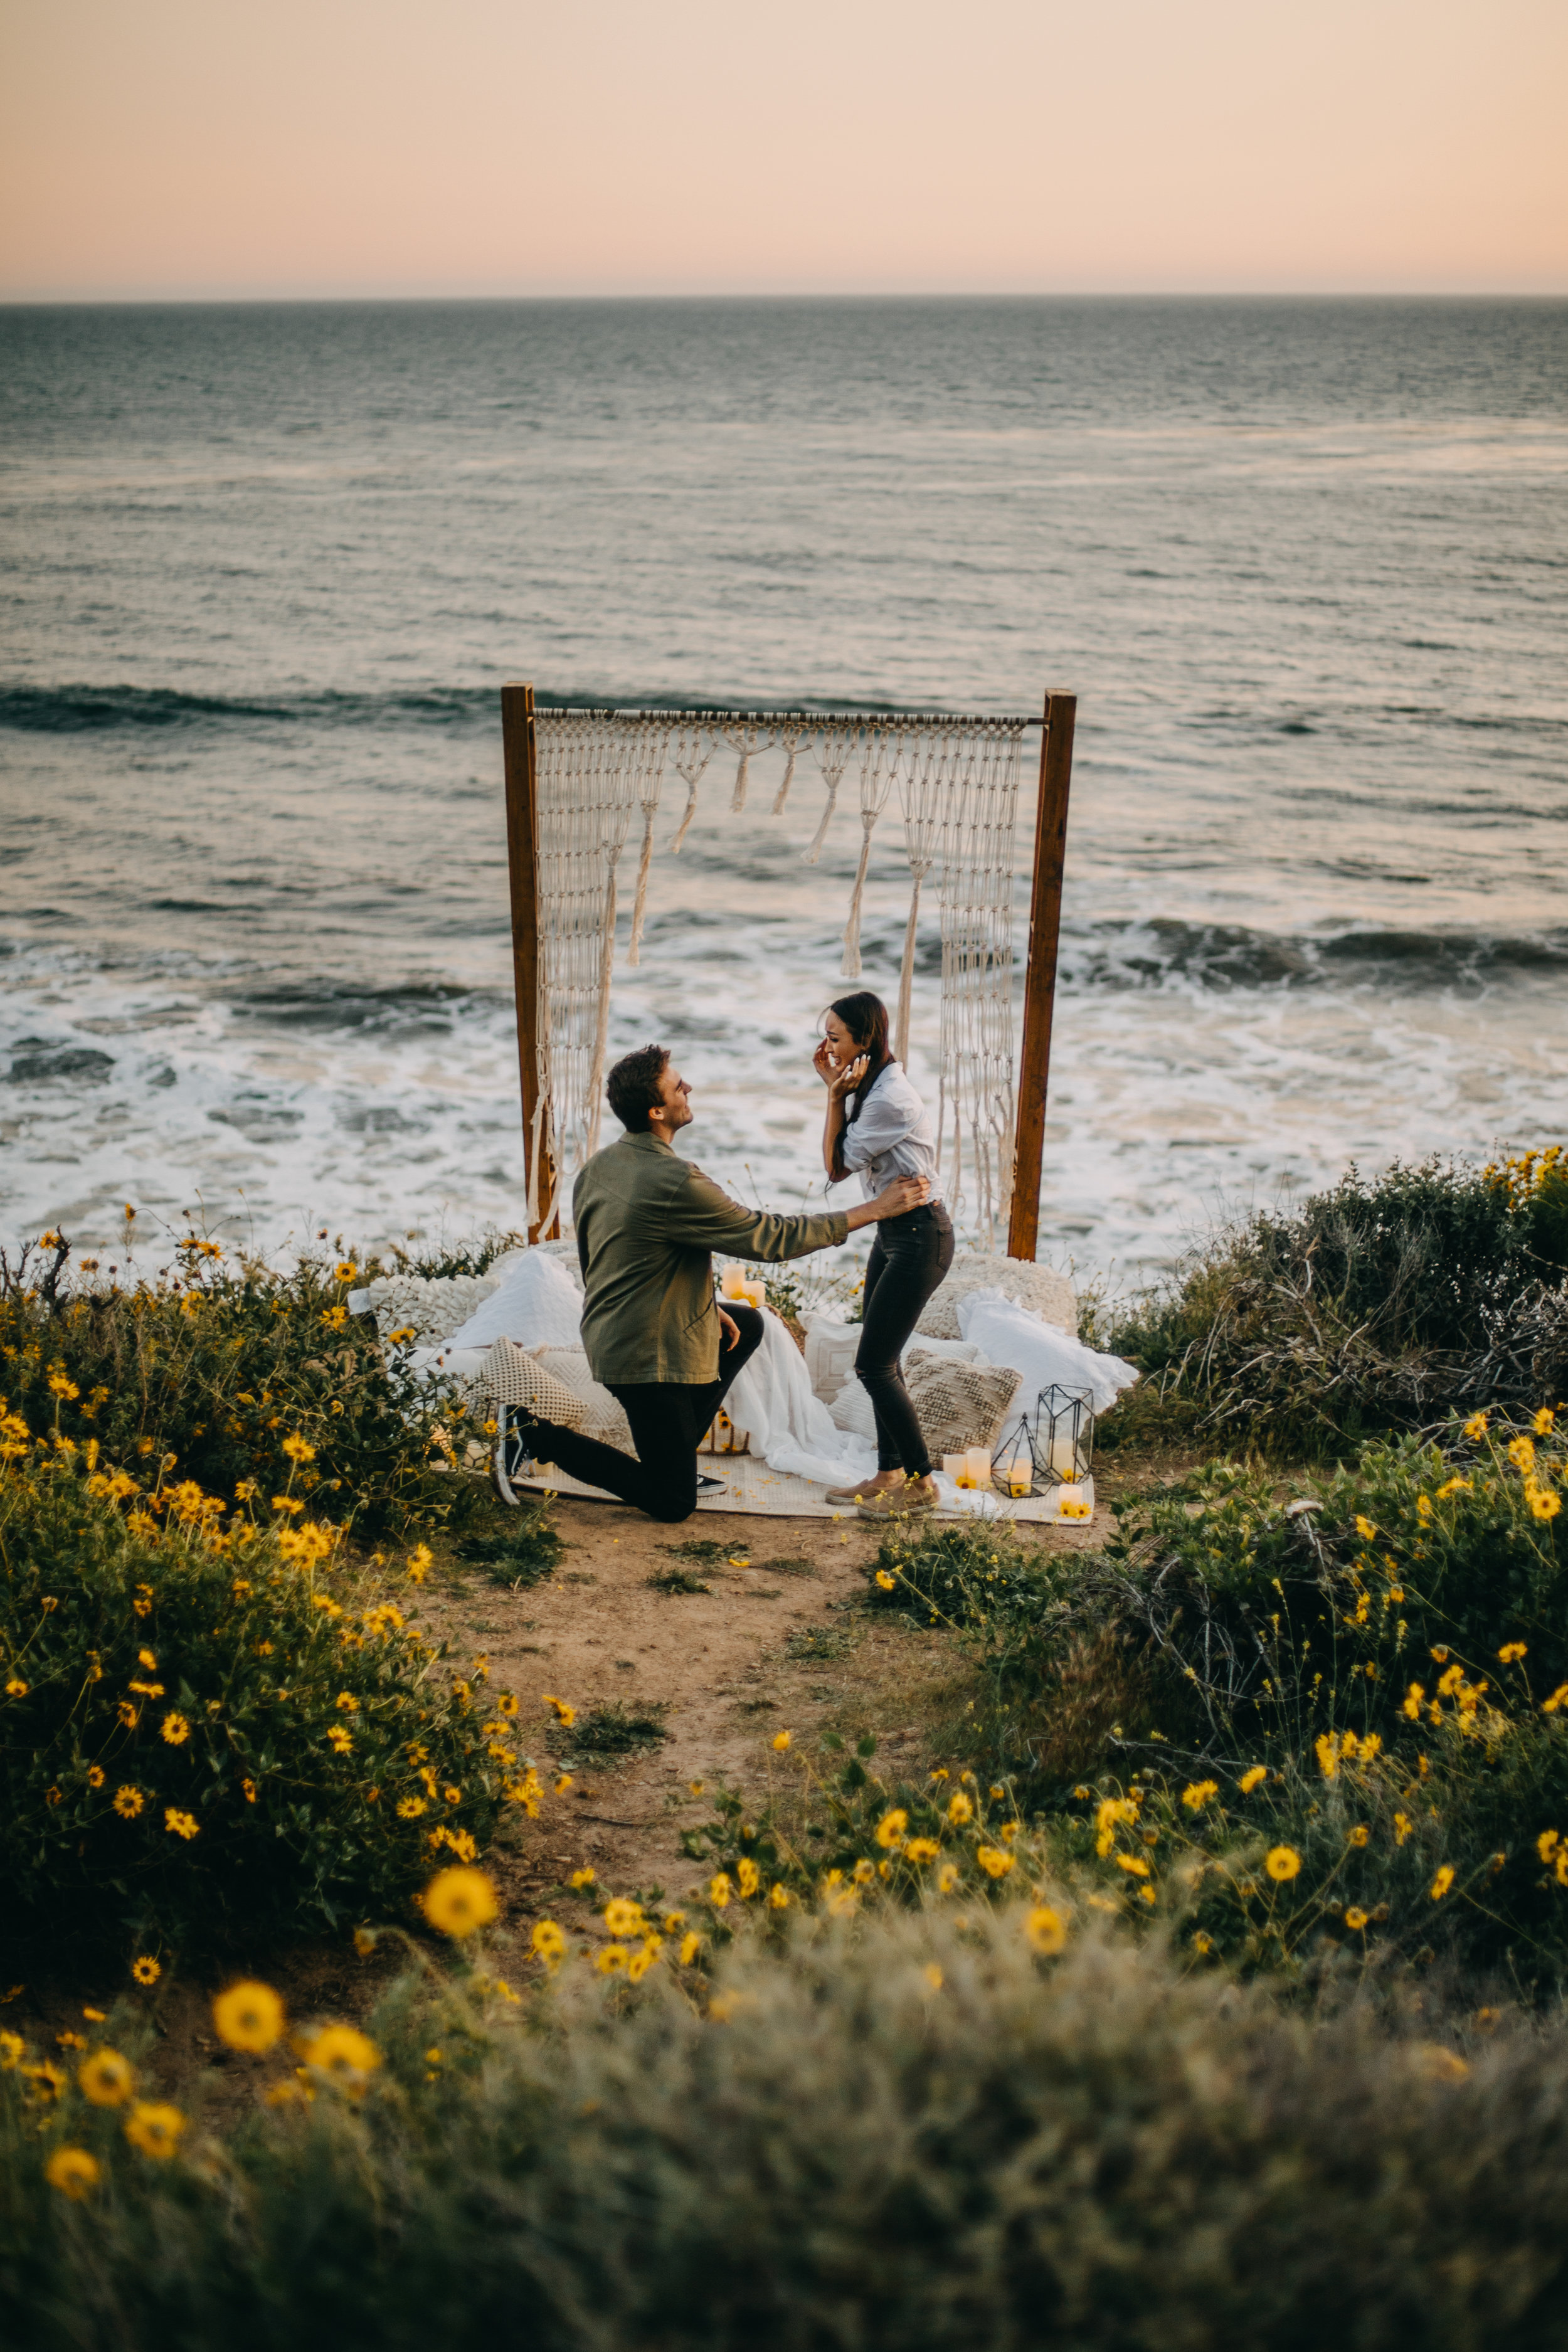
x: 648, y: 1223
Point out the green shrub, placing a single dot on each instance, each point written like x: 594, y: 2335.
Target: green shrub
x: 217, y: 1365
x: 205, y: 1725
x: 1371, y: 1309
x: 920, y: 2132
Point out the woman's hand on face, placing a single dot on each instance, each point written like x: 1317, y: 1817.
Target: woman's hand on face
x: 845, y: 1081
x: 823, y: 1062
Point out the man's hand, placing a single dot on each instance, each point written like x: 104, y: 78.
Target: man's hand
x: 731, y: 1328
x: 904, y: 1193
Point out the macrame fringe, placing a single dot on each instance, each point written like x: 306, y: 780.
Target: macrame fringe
x: 958, y: 786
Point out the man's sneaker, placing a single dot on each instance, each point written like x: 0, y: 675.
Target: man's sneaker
x: 706, y: 1486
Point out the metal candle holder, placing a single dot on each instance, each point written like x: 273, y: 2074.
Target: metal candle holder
x: 1061, y: 1432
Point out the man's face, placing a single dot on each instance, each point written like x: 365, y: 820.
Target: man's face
x: 674, y: 1101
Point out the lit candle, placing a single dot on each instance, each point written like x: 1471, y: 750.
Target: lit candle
x: 956, y: 1466
x: 1073, y: 1502
x: 979, y: 1459
x: 1064, y: 1457
x: 734, y: 1282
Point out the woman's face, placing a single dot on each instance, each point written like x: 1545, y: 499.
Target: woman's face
x: 845, y: 1047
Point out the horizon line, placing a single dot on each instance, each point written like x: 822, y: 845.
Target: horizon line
x: 188, y: 301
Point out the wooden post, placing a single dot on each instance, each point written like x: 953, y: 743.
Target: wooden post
x: 522, y: 871
x: 1040, y: 971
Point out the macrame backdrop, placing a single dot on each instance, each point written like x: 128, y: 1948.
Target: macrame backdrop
x: 958, y: 781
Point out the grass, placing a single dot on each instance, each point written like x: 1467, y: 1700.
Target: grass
x: 606, y: 1735
x: 677, y: 1579
x: 939, y: 2130
x: 523, y: 1554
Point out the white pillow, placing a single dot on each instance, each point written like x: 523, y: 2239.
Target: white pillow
x: 830, y: 1356
x: 537, y: 1304
x: 851, y: 1410
x: 1009, y: 1334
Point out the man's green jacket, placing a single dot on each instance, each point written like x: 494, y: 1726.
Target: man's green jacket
x: 647, y: 1222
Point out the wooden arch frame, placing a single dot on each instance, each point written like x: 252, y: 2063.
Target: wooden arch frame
x: 1056, y: 724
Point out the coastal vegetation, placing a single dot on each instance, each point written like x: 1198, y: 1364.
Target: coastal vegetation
x: 1201, y: 1984
x: 1381, y: 1304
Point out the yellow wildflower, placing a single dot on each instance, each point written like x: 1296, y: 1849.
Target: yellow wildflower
x: 959, y: 1809
x: 1544, y: 1422
x: 1521, y: 1452
x: 146, y: 1970
x: 1198, y: 1794
x: 175, y: 1729
x: 154, y: 2128
x: 691, y: 1945
x: 922, y: 1849
x: 884, y: 1579
x: 127, y: 1802
x: 1045, y: 1928
x: 1476, y: 1427
x: 624, y: 1917
x: 179, y: 1824
x: 106, y: 2078
x: 891, y: 1827
x: 248, y: 2016
x: 781, y: 1741
x: 1511, y: 1651
x: 1356, y: 1920
x: 460, y: 1900
x: 547, y: 1943
x: 1282, y: 1863
x: 345, y: 2054
x: 994, y: 1861
x: 73, y: 2171
x: 719, y: 1889
x: 1252, y: 1779
x: 1441, y: 1883
x: 1403, y: 1825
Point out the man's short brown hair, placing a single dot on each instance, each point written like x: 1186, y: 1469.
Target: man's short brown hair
x: 632, y: 1086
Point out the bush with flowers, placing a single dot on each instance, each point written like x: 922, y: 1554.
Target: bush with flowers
x: 206, y: 1720
x: 222, y: 1365
x: 1370, y: 1673
x: 834, y: 1839
x: 943, y: 2127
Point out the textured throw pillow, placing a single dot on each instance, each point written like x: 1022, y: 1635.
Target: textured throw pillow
x: 604, y: 1416
x: 851, y: 1410
x: 515, y: 1377
x: 1043, y: 1292
x: 924, y: 1350
x: 960, y: 1405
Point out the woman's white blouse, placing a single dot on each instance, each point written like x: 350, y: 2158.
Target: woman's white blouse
x: 892, y: 1136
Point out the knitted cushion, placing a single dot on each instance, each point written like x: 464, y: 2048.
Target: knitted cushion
x: 851, y: 1410
x: 604, y: 1416
x: 960, y: 1405
x: 515, y: 1377
x: 1050, y: 1296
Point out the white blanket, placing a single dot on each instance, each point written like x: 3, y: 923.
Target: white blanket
x: 1006, y: 1333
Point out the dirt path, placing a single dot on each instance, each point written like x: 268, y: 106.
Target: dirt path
x: 780, y: 1642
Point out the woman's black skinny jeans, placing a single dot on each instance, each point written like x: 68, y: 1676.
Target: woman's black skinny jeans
x: 909, y: 1258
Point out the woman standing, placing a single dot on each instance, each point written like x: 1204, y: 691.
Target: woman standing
x: 877, y: 1127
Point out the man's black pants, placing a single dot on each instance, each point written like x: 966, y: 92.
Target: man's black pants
x: 667, y: 1417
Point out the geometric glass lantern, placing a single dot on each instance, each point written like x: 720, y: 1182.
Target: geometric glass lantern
x: 1061, y: 1435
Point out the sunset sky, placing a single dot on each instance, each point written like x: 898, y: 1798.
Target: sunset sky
x: 387, y: 147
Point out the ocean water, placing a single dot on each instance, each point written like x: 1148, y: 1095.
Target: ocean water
x: 1305, y: 563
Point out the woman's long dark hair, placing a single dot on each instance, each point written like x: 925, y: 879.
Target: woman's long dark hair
x: 866, y: 1018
